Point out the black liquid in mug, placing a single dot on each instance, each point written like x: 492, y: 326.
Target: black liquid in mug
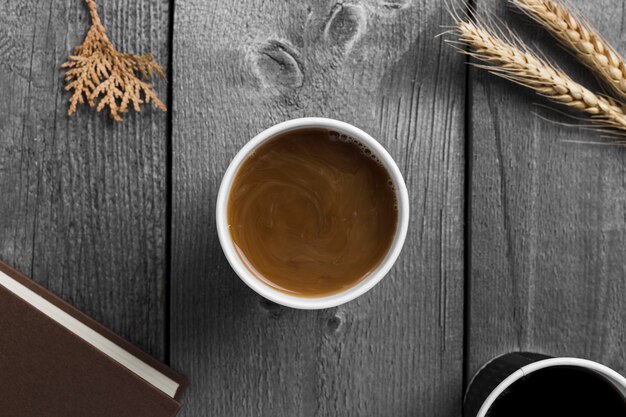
x: 560, y: 391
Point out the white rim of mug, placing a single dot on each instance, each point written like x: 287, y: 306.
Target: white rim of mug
x: 333, y: 300
x: 615, y: 378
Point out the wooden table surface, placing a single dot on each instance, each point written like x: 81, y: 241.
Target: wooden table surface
x: 517, y: 239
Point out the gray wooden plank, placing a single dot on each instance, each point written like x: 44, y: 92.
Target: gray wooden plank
x: 83, y: 199
x: 241, y: 67
x: 548, y: 218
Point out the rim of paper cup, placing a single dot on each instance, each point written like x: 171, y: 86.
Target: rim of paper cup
x: 618, y: 380
x: 313, y: 303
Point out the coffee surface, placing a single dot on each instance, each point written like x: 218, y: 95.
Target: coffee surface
x: 311, y: 212
x: 560, y: 391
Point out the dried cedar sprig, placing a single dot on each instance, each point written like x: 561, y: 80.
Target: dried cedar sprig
x: 104, y: 77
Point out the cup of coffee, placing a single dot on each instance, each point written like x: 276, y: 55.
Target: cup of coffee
x: 312, y: 213
x: 531, y: 384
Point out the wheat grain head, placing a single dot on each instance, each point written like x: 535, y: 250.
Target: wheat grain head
x: 581, y: 38
x: 502, y: 53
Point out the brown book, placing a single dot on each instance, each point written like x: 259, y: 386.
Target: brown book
x: 57, y: 362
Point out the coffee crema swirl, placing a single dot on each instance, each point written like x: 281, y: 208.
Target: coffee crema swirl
x: 311, y: 212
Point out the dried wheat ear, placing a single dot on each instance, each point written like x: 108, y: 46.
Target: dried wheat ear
x: 570, y: 29
x: 106, y: 78
x: 506, y: 56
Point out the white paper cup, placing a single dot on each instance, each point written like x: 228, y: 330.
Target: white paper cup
x: 312, y: 303
x: 501, y: 373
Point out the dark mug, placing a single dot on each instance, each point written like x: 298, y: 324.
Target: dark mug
x: 497, y: 378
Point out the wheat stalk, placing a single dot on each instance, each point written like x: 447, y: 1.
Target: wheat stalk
x: 506, y: 56
x: 581, y: 38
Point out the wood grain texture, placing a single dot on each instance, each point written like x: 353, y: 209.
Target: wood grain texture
x: 548, y: 217
x: 83, y: 199
x: 241, y: 67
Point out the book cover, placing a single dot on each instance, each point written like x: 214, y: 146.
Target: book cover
x: 57, y: 362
